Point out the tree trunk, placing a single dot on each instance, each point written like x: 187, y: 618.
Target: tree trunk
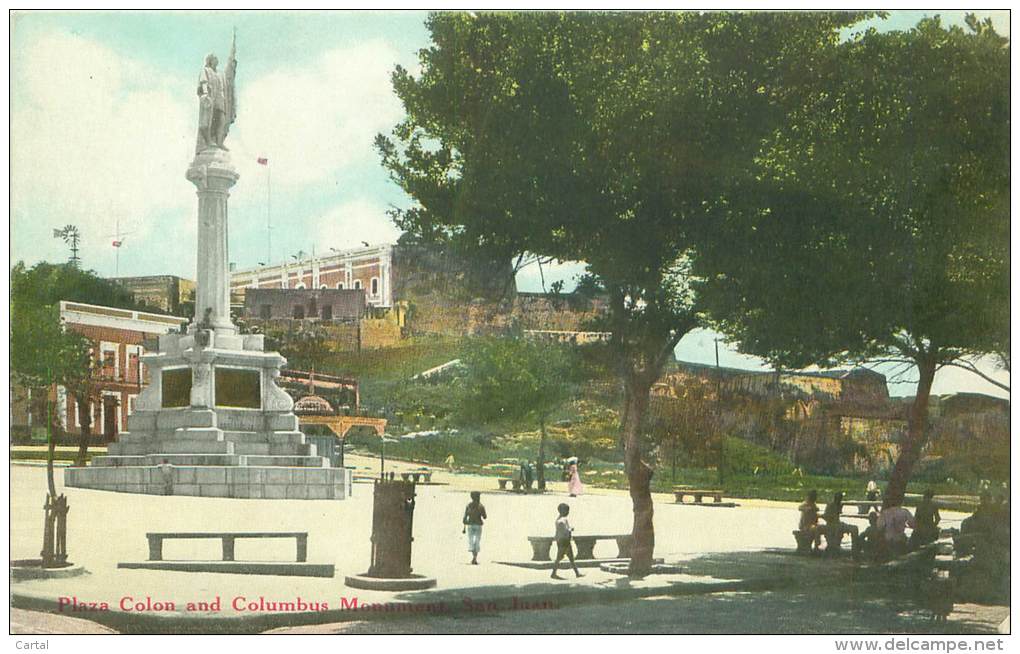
x: 51, y: 447
x: 639, y: 476
x: 917, y: 433
x: 85, y: 419
x: 540, y: 473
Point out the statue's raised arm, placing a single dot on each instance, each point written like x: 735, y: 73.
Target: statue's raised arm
x: 217, y: 105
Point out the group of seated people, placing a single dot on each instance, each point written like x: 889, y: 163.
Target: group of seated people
x: 989, y: 524
x: 885, y: 536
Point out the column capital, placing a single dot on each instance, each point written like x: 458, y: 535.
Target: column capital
x: 212, y: 170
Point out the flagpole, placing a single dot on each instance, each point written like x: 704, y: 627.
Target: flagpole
x: 269, y: 214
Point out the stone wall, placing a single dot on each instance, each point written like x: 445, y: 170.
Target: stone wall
x: 563, y: 312
x: 526, y: 312
x: 441, y: 316
x: 430, y: 270
x: 350, y: 336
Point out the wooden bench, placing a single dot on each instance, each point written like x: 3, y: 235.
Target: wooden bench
x: 228, y: 539
x: 503, y: 481
x: 540, y: 546
x: 425, y: 476
x: 681, y: 493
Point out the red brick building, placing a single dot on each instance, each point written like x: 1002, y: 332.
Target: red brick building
x: 367, y: 268
x: 119, y: 337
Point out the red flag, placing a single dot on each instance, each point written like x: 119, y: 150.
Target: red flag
x: 263, y: 161
x: 117, y: 244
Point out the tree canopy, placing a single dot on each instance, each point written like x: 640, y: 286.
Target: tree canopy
x: 877, y: 222
x: 46, y: 284
x: 599, y: 137
x: 43, y: 351
x: 512, y: 379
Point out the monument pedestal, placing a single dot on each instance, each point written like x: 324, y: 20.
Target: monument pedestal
x: 213, y: 422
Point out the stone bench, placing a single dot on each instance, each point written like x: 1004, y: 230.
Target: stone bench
x: 503, y: 481
x: 804, y: 540
x: 697, y: 494
x: 864, y: 507
x: 425, y: 476
x: 228, y: 539
x: 540, y: 546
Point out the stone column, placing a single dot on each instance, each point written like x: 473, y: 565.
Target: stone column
x: 212, y: 174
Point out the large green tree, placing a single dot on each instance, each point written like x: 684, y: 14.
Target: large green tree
x: 508, y: 379
x: 43, y: 351
x: 877, y: 224
x: 598, y: 137
x: 46, y: 284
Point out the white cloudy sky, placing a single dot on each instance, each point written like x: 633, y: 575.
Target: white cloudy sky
x: 103, y: 116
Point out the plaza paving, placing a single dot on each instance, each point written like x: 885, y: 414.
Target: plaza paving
x: 722, y: 549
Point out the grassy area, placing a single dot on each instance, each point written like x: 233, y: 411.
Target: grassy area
x: 40, y: 455
x: 389, y: 364
x: 473, y: 453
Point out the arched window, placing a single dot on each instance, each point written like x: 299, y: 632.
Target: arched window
x: 375, y: 286
x: 357, y: 284
x: 300, y: 285
x: 322, y: 287
x: 340, y: 285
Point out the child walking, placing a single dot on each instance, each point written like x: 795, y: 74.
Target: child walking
x: 474, y: 516
x: 563, y: 546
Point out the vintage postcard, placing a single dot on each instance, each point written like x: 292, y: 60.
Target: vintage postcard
x: 511, y: 322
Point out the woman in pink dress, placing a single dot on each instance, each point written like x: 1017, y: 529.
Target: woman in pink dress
x: 574, y: 485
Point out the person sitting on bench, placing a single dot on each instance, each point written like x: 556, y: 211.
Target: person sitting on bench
x: 809, y: 519
x: 892, y: 522
x: 834, y: 528
x: 872, y: 542
x: 926, y: 520
x: 983, y: 518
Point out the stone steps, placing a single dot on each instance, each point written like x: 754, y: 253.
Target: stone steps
x: 166, y: 446
x: 199, y: 434
x: 271, y: 438
x: 254, y: 482
x: 172, y: 459
x: 192, y: 447
x: 191, y: 459
x: 289, y: 461
x: 251, y: 448
x: 307, y: 449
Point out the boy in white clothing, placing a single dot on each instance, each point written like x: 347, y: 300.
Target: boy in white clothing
x: 563, y: 546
